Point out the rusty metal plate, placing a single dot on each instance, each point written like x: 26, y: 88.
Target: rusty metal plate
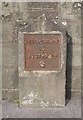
x: 42, y: 52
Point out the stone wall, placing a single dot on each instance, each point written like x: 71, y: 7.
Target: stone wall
x: 15, y: 16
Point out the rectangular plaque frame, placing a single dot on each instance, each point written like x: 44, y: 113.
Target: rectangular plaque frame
x: 42, y: 51
x: 21, y: 61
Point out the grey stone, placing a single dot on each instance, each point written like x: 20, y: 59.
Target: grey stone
x: 72, y: 9
x: 9, y: 54
x: 76, y: 78
x: 76, y: 31
x: 7, y: 32
x: 10, y: 94
x: 75, y: 93
x: 9, y: 77
x: 43, y: 5
x: 42, y: 88
x: 73, y: 82
x: 18, y: 15
x: 43, y: 91
x: 72, y: 110
x: 76, y: 56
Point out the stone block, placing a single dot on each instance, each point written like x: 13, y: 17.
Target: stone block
x: 74, y: 29
x: 74, y: 55
x: 10, y: 94
x: 7, y: 32
x: 76, y: 8
x: 66, y: 7
x: 35, y: 14
x: 23, y: 11
x: 76, y: 32
x: 7, y: 7
x: 9, y: 54
x: 37, y: 89
x: 25, y: 16
x: 73, y: 81
x: 76, y: 78
x: 76, y: 94
x: 10, y: 78
x: 34, y: 19
x: 43, y: 5
x: 76, y: 85
x: 42, y: 88
x: 73, y: 10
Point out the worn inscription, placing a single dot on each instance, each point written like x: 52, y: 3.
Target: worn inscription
x: 42, y: 52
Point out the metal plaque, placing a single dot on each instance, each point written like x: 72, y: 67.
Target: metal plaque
x: 42, y: 51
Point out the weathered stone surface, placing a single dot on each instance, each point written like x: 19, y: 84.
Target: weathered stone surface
x: 76, y: 93
x: 74, y: 58
x: 43, y: 5
x: 73, y: 10
x: 9, y: 54
x: 76, y: 85
x: 75, y: 30
x: 10, y: 94
x: 10, y: 80
x: 73, y: 81
x: 44, y: 88
x: 7, y: 34
x: 16, y: 15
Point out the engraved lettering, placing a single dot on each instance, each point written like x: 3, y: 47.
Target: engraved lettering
x: 42, y: 64
x: 42, y: 41
x: 42, y: 52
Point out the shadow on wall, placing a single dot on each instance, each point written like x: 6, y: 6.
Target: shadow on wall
x: 68, y: 68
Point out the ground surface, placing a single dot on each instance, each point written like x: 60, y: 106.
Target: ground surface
x: 72, y: 110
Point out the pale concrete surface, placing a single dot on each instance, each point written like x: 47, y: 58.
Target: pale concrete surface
x: 72, y: 110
